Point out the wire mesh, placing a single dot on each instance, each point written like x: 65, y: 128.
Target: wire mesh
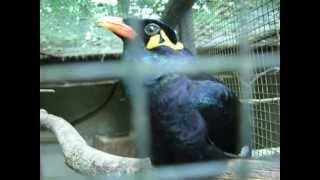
x: 217, y: 32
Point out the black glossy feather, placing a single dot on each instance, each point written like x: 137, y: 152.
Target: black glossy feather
x: 193, y: 117
x: 179, y: 132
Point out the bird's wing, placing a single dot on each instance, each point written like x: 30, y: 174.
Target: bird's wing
x: 207, y: 93
x: 219, y: 107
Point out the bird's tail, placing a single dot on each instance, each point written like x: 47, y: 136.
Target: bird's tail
x: 244, y: 153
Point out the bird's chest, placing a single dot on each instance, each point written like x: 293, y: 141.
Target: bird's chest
x: 173, y: 119
x: 167, y: 98
x: 178, y: 129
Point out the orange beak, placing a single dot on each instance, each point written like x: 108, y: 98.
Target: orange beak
x: 117, y: 26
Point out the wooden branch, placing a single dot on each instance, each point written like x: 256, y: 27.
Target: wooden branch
x: 175, y: 10
x: 84, y: 159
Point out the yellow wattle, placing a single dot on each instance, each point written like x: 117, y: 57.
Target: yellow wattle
x: 154, y: 42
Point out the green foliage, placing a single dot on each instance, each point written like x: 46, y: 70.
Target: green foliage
x: 69, y: 25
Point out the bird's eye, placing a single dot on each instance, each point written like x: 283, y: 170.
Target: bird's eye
x: 152, y: 29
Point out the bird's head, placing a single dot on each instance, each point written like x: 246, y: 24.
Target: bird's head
x: 146, y: 34
x: 146, y: 39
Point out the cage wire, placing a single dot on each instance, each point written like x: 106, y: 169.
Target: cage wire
x: 67, y: 28
x: 217, y: 33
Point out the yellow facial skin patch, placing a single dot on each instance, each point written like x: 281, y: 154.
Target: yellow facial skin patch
x: 154, y: 42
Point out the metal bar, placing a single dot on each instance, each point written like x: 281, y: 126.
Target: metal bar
x: 140, y: 119
x: 78, y: 72
x: 246, y: 92
x: 64, y: 74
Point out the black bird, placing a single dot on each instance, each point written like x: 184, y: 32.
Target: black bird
x: 193, y: 118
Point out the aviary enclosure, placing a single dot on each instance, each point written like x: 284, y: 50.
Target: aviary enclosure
x: 83, y: 103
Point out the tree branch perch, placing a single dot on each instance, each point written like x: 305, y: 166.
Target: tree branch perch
x: 84, y: 159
